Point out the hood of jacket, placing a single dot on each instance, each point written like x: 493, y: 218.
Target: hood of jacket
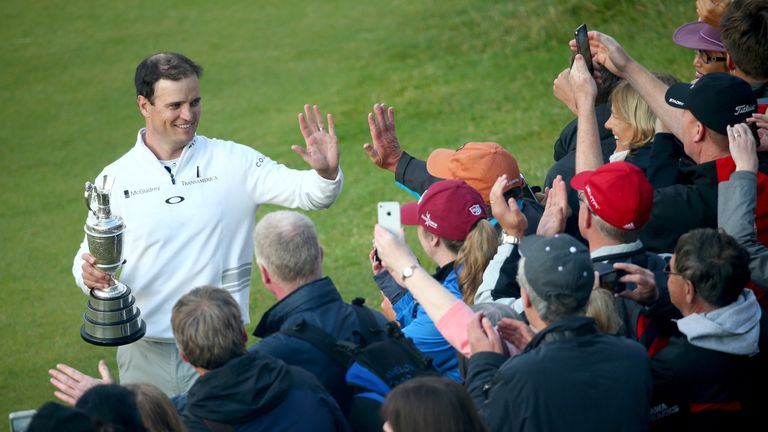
x: 733, y: 329
x: 244, y: 388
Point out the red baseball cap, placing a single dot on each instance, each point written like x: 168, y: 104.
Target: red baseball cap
x: 448, y: 209
x: 619, y: 193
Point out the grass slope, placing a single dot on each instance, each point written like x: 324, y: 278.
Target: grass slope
x: 456, y: 71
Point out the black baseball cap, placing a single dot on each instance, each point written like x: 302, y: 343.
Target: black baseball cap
x: 558, y: 266
x: 717, y: 100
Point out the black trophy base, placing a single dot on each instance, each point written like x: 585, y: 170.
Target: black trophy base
x: 112, y: 321
x: 93, y: 340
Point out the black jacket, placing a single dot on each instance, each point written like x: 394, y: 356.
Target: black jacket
x: 317, y: 303
x: 570, y: 377
x: 698, y: 389
x: 255, y: 392
x: 684, y: 198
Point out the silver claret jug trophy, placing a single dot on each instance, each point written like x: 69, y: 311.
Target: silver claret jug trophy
x: 111, y: 318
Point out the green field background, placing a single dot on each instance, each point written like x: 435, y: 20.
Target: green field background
x: 456, y: 71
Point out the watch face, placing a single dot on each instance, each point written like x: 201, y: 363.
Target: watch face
x: 408, y: 272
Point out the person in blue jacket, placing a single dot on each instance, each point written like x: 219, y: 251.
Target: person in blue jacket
x: 454, y: 231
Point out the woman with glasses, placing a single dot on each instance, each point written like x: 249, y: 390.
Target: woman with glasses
x: 710, y: 55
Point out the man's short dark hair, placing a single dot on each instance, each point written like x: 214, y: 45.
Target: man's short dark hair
x: 744, y: 29
x: 165, y: 65
x: 715, y: 263
x: 208, y: 327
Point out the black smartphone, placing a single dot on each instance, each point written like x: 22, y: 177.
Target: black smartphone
x: 582, y: 46
x: 610, y: 277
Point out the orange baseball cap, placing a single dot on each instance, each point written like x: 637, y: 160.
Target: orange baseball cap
x: 477, y: 163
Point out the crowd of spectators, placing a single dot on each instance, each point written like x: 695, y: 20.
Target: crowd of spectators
x: 627, y: 294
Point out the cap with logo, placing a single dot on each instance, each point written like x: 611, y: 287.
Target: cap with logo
x: 699, y: 35
x: 558, y: 266
x: 448, y: 209
x: 717, y: 100
x: 477, y: 163
x: 619, y: 193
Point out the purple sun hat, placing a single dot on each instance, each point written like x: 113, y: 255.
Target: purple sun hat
x: 699, y: 36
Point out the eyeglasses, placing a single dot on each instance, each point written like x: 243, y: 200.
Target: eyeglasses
x: 668, y: 271
x: 707, y: 59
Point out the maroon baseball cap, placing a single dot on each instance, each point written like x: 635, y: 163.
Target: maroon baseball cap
x: 448, y: 209
x: 619, y: 193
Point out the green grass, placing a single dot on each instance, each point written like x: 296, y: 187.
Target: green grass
x: 456, y: 71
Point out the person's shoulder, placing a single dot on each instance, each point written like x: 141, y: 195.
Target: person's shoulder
x: 222, y: 145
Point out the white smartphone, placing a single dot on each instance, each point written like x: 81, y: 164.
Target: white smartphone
x: 389, y: 216
x: 20, y: 420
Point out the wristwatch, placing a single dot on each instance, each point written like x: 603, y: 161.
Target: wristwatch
x: 408, y: 271
x: 509, y: 239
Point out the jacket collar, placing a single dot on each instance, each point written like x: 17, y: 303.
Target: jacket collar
x: 568, y: 328
x: 308, y: 297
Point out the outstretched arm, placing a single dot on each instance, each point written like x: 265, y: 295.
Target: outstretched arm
x: 737, y: 199
x: 322, y: 147
x: 589, y: 155
x: 608, y: 53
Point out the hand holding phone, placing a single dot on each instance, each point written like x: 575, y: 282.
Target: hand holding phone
x: 610, y: 277
x: 389, y: 219
x: 582, y: 47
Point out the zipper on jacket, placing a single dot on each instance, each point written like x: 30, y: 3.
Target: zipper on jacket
x: 173, y: 179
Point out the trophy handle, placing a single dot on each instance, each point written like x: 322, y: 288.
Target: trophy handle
x: 88, y: 195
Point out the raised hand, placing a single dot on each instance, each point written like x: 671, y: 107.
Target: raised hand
x: 710, y: 11
x: 71, y: 383
x: 385, y: 151
x: 555, y: 210
x: 761, y: 121
x: 506, y: 212
x: 322, y: 147
x: 742, y: 145
x: 606, y: 52
x: 583, y: 84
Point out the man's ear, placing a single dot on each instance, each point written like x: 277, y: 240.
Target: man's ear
x: 265, y: 277
x: 701, y: 132
x: 144, y: 105
x: 524, y: 297
x: 690, y: 291
x: 184, y: 357
x: 729, y: 63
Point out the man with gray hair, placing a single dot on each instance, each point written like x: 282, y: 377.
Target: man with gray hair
x: 238, y: 389
x: 290, y: 260
x: 570, y: 376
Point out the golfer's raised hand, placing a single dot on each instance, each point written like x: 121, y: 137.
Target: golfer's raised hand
x: 385, y: 151
x: 322, y: 146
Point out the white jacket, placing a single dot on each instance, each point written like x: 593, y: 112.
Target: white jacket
x: 196, y: 228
